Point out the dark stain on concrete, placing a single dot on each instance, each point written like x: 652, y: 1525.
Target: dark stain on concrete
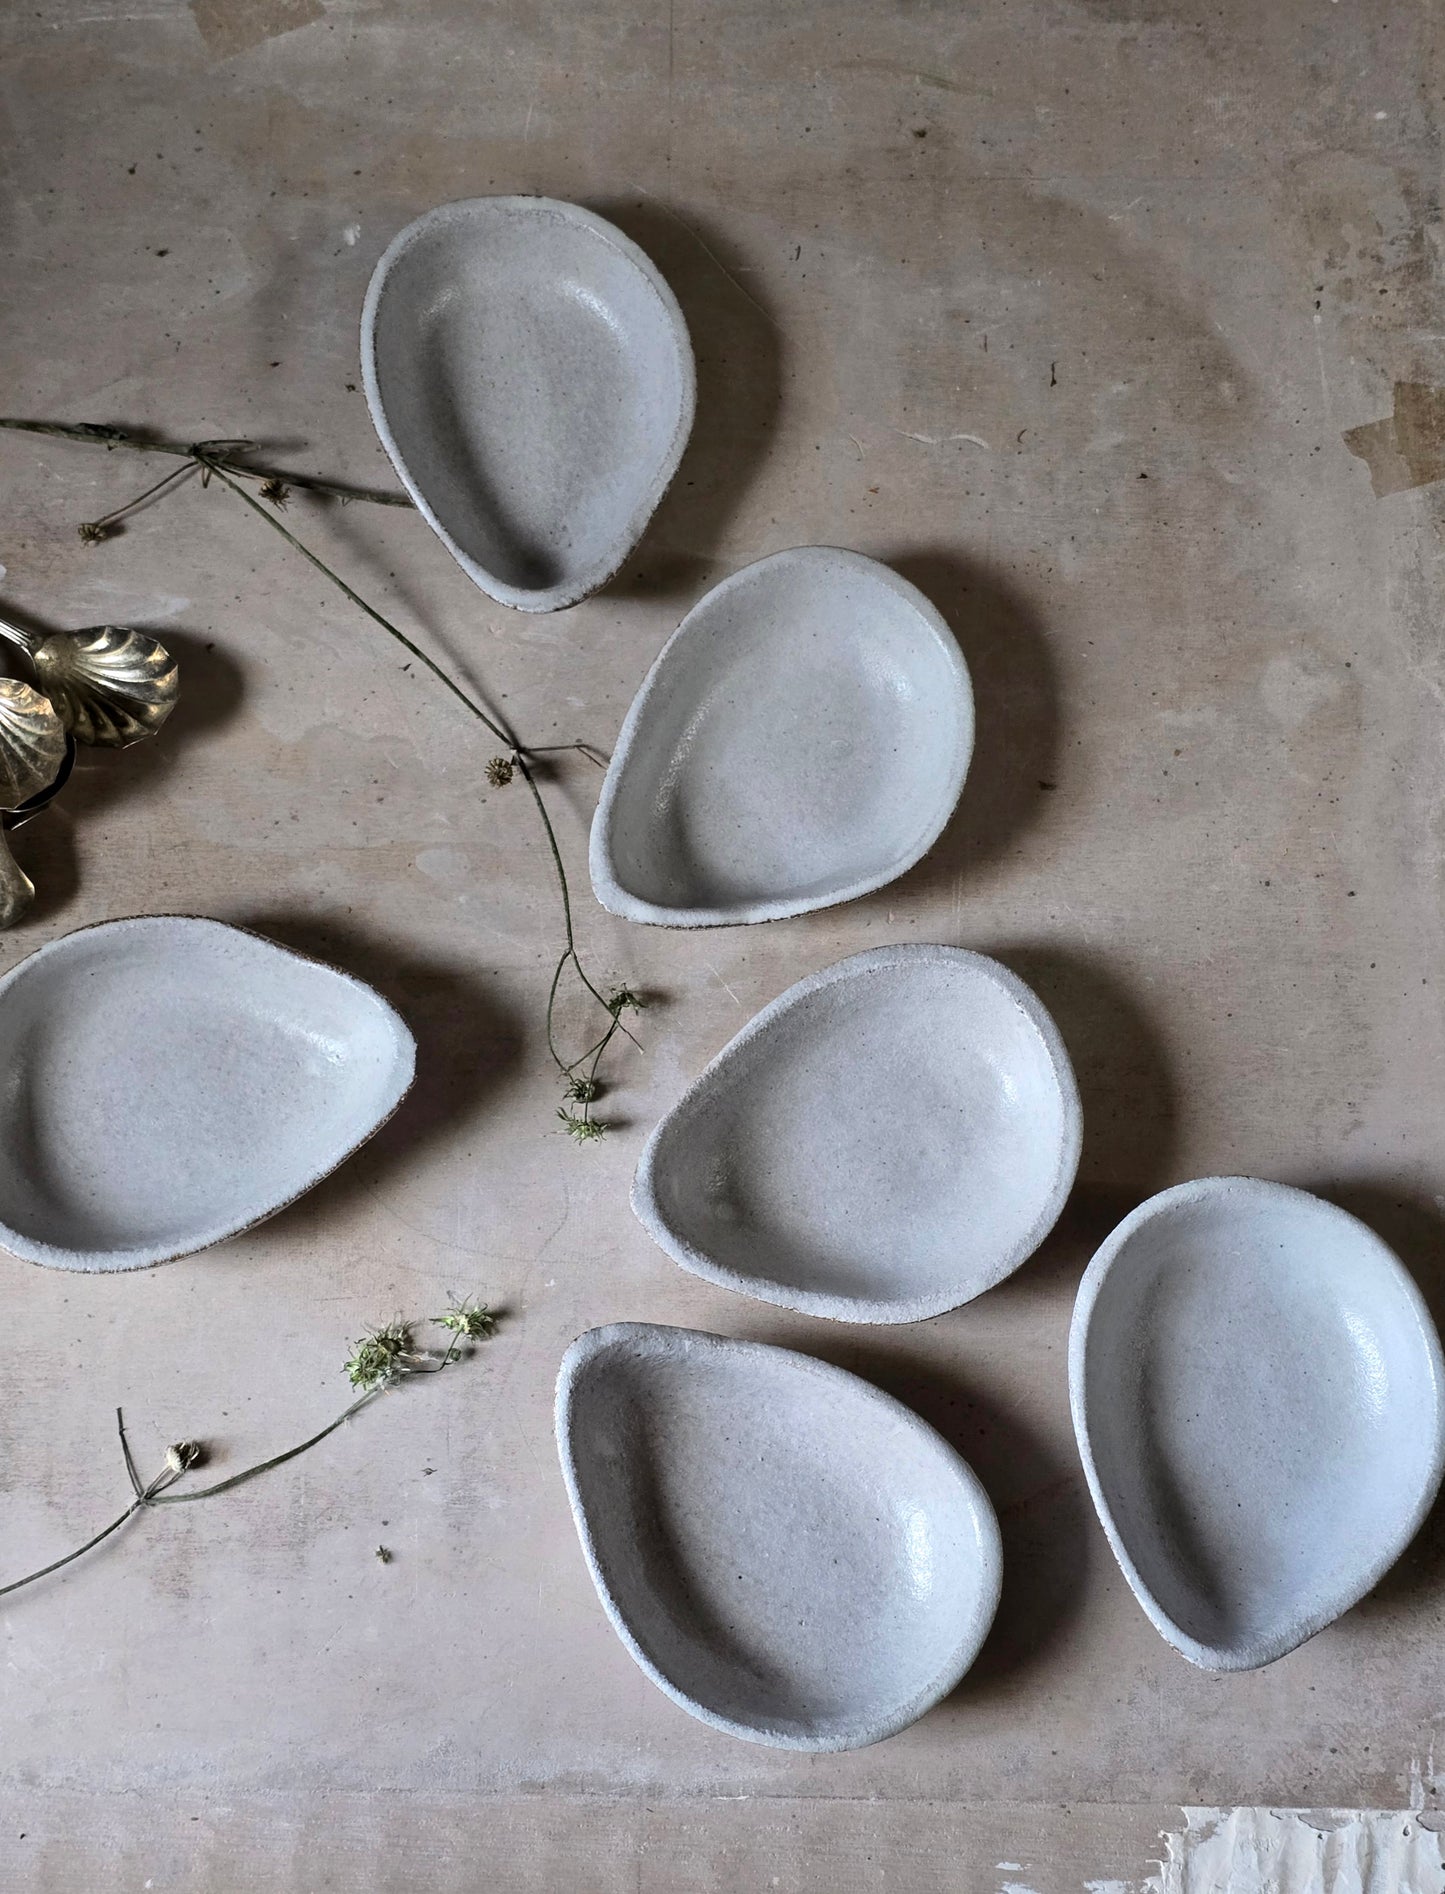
x: 1407, y: 448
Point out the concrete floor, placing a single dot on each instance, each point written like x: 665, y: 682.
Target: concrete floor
x: 1115, y: 324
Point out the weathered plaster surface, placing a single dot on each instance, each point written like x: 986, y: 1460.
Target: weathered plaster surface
x: 1064, y: 306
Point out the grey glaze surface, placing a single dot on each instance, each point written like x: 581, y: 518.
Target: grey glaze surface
x: 801, y: 739
x: 530, y: 375
x: 1257, y: 1391
x: 170, y: 1081
x: 886, y: 1140
x: 793, y: 1556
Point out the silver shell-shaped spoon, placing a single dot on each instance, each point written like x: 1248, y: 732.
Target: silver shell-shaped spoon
x: 111, y: 685
x: 32, y: 743
x: 17, y: 890
x: 37, y: 805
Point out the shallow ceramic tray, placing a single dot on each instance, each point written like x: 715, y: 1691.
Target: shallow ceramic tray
x: 794, y: 1557
x: 802, y: 739
x: 888, y: 1139
x: 1257, y: 1392
x: 530, y: 375
x: 170, y: 1081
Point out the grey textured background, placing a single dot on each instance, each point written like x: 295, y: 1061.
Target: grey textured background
x: 1063, y: 306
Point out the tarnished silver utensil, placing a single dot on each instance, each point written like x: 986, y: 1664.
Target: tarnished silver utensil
x: 17, y: 890
x: 35, y: 758
x: 32, y: 743
x: 36, y: 805
x: 110, y: 684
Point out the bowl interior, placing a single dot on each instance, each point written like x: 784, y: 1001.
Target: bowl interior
x: 533, y: 380
x: 804, y: 736
x: 1263, y: 1412
x: 793, y: 1558
x: 903, y: 1133
x: 167, y: 1082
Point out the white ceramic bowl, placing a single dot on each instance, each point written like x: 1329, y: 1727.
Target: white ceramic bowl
x: 530, y: 375
x: 170, y: 1081
x: 888, y: 1139
x: 801, y: 739
x: 1257, y: 1392
x: 794, y: 1557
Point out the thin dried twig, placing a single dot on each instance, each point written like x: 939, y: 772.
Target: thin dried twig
x: 230, y: 463
x: 380, y: 1360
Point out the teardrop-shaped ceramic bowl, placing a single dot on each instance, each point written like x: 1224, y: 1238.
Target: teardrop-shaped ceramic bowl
x: 1257, y: 1392
x: 530, y: 375
x: 793, y: 1556
x: 802, y: 739
x: 170, y: 1081
x: 888, y: 1139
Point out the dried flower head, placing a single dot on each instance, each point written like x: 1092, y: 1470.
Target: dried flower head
x: 381, y: 1357
x: 583, y: 1130
x: 470, y: 1318
x: 276, y: 491
x: 93, y: 531
x: 583, y: 1089
x: 183, y: 1455
x: 499, y: 771
x: 623, y: 999
x: 383, y: 1552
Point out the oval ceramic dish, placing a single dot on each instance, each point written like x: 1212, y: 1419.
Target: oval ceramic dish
x: 530, y: 375
x: 802, y: 739
x: 1256, y: 1387
x: 887, y: 1140
x: 171, y: 1081
x: 794, y: 1557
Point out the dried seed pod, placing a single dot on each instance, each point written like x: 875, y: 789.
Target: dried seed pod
x: 32, y: 743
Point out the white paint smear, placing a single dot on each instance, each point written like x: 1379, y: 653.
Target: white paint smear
x: 1301, y: 1851
x: 939, y: 440
x: 443, y: 864
x: 120, y: 604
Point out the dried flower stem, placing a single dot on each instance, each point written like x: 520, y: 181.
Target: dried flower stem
x: 264, y: 1466
x: 467, y: 1321
x: 144, y: 1496
x: 217, y: 459
x: 93, y: 531
x: 519, y: 756
x: 246, y: 468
